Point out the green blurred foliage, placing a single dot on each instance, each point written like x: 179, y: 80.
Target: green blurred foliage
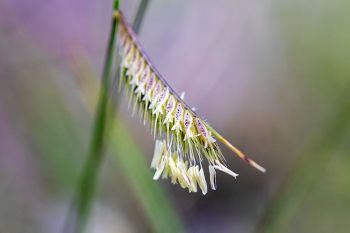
x: 315, y: 196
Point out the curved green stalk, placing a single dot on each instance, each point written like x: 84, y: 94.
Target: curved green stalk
x: 128, y: 157
x: 87, y: 183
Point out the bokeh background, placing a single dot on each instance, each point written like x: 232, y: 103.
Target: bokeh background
x: 272, y: 76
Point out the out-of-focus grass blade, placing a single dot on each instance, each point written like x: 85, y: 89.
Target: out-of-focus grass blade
x: 78, y: 217
x: 316, y: 36
x: 314, y: 159
x: 158, y: 208
x: 86, y: 187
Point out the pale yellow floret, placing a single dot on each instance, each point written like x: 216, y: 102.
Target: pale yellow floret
x: 160, y: 167
x: 178, y: 118
x: 189, y: 130
x: 202, y: 182
x: 169, y: 112
x: 184, y: 181
x: 133, y: 72
x: 140, y: 90
x: 126, y: 62
x: 155, y: 95
x: 196, y: 176
x: 212, y: 177
x: 160, y: 106
x: 192, y: 177
x: 149, y: 89
x: 223, y: 168
x: 158, y: 152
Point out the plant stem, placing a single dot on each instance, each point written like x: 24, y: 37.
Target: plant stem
x: 140, y: 15
x: 235, y: 150
x: 87, y: 183
x: 92, y: 165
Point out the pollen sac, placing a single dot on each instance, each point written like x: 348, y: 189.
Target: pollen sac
x: 196, y: 176
x: 202, y: 182
x: 219, y: 166
x: 159, y: 149
x: 212, y: 177
x: 169, y: 165
x: 183, y: 179
x: 191, y: 172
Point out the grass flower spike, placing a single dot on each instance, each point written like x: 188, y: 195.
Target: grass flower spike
x: 183, y: 138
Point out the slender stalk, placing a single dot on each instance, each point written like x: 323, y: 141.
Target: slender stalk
x: 140, y: 15
x: 235, y: 150
x: 90, y: 171
x: 87, y: 183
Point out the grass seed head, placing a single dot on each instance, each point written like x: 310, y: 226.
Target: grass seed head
x: 178, y: 155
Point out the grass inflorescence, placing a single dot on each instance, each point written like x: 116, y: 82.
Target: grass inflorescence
x: 183, y: 138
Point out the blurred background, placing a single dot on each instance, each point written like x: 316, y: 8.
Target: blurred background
x: 272, y: 76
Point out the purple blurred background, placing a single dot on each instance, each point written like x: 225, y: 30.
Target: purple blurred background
x: 266, y: 74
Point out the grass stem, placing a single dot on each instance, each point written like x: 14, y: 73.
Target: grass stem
x: 87, y: 182
x: 140, y: 15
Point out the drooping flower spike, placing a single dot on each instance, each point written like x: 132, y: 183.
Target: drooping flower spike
x: 187, y: 138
